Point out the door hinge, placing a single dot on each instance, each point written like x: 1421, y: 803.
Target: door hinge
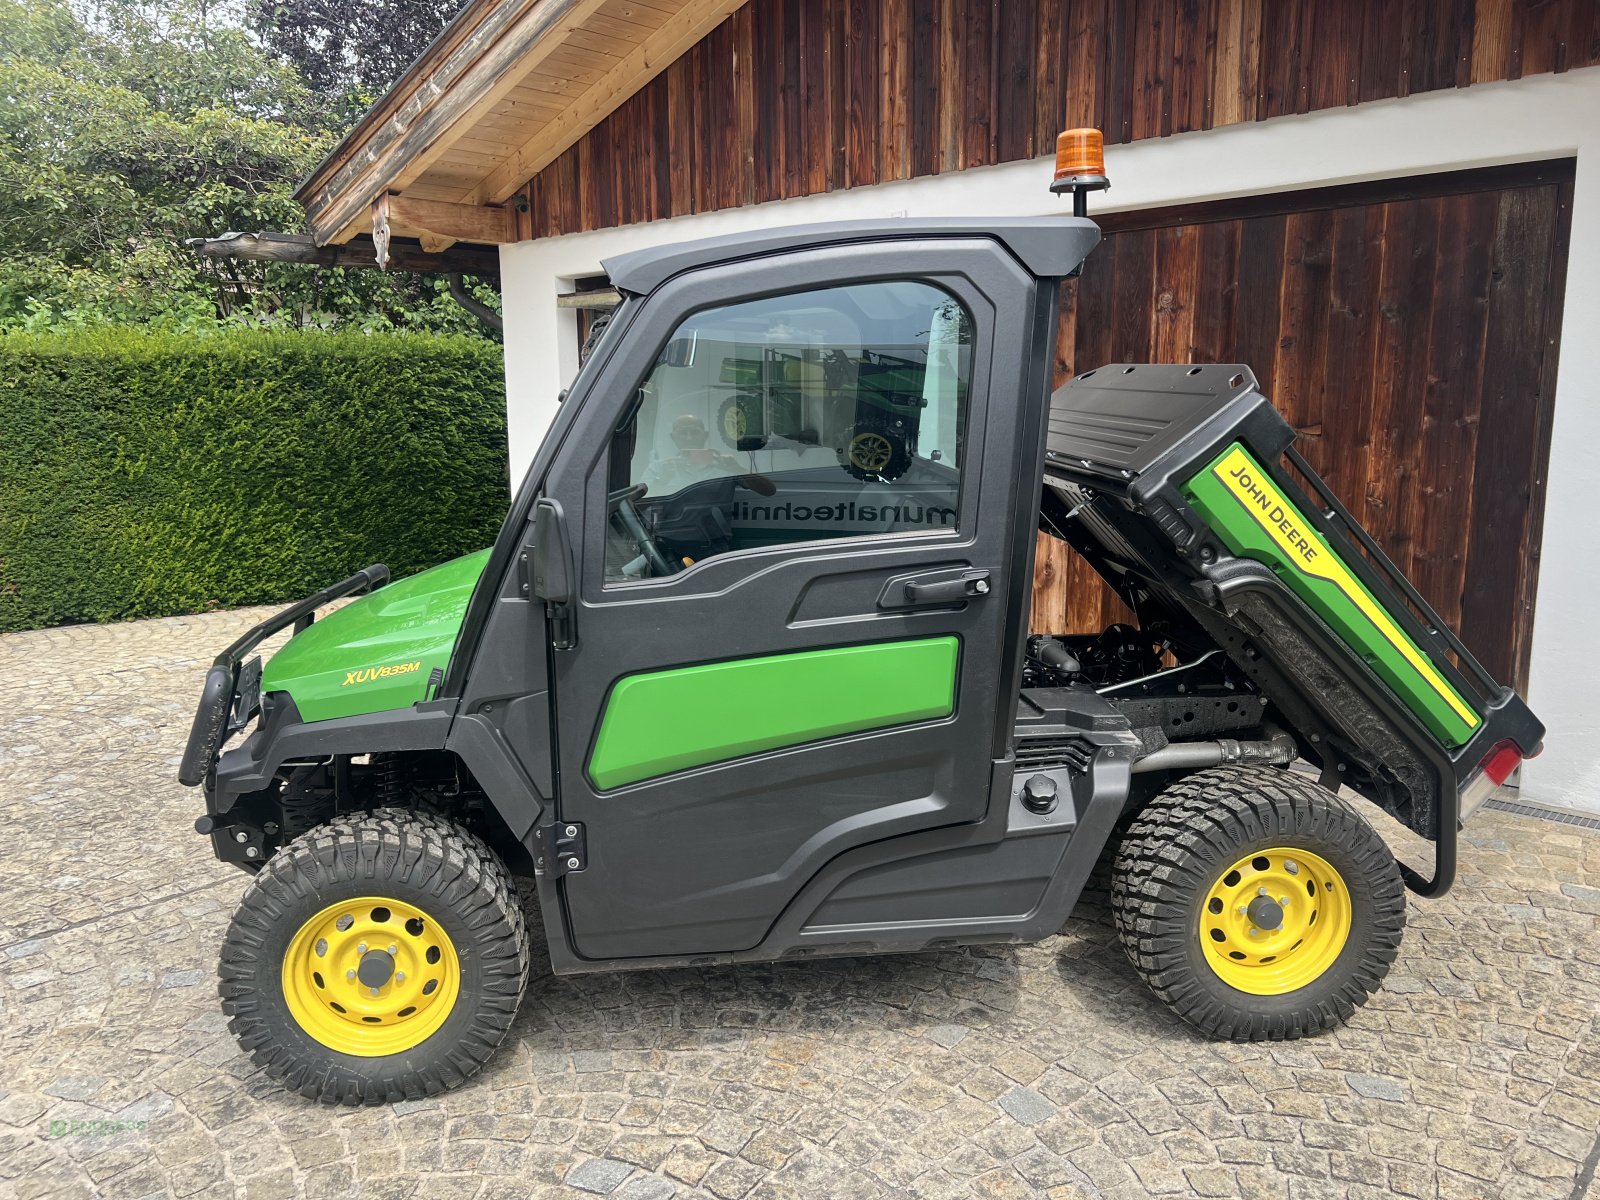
x: 565, y: 849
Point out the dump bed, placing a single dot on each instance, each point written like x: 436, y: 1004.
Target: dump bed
x: 1180, y: 484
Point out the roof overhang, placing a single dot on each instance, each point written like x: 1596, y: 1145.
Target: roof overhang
x: 498, y: 96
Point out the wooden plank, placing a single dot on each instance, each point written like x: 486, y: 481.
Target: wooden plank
x: 952, y: 50
x: 1543, y: 413
x: 1131, y: 315
x: 816, y: 112
x: 1176, y: 294
x: 1261, y: 250
x: 926, y: 47
x: 1280, y: 88
x: 894, y: 90
x: 1015, y: 29
x: 457, y: 222
x: 791, y: 115
x: 1506, y: 472
x: 1214, y: 316
x: 720, y: 124
x: 639, y: 66
x: 744, y: 90
x: 683, y: 142
x: 862, y: 96
x: 1049, y: 71
x: 1238, y: 58
x: 1086, y: 66
x: 976, y: 99
x: 1303, y: 323
x: 1051, y: 568
x: 1543, y: 41
x: 1450, y: 400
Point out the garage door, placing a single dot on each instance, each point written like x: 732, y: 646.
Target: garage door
x: 1408, y: 330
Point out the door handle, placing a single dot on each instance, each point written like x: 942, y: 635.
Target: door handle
x: 969, y: 585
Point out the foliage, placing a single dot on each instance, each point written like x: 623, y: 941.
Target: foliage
x: 351, y: 61
x: 129, y: 127
x: 150, y: 473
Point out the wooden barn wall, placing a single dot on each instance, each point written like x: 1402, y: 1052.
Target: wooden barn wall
x: 1410, y: 337
x: 793, y: 97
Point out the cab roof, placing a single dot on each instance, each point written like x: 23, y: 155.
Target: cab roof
x: 1049, y: 247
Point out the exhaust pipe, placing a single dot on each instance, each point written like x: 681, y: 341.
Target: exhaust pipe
x: 1278, y: 750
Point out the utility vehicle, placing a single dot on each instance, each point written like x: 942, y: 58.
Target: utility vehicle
x: 724, y: 705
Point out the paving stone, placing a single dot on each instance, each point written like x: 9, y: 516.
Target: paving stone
x: 1374, y: 1088
x: 1016, y: 1071
x: 1027, y: 1105
x: 602, y: 1175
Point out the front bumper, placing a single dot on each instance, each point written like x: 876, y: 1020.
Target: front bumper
x: 231, y: 696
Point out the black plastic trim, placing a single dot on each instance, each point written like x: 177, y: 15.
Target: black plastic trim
x: 1049, y: 247
x: 216, y: 715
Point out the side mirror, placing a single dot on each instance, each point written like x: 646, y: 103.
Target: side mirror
x: 551, y: 563
x: 680, y: 351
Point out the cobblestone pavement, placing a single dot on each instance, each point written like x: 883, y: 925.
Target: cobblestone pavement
x: 1045, y: 1070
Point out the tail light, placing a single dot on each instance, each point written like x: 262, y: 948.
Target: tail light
x: 1494, y: 770
x: 1501, y: 761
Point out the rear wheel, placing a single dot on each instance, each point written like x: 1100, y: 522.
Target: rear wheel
x: 1256, y: 904
x: 375, y: 958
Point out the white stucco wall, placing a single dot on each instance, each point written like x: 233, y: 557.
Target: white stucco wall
x: 1546, y: 116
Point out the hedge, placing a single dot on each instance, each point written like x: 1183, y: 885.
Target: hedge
x: 149, y: 474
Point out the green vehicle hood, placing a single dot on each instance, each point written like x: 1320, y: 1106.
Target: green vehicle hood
x: 376, y: 653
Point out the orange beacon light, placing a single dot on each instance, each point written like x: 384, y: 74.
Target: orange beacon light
x: 1080, y: 166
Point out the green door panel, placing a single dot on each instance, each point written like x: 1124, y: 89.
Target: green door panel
x: 376, y: 653
x: 664, y: 721
x: 1255, y: 519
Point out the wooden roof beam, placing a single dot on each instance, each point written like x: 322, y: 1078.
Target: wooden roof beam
x: 407, y: 132
x: 679, y: 33
x: 439, y: 224
x: 404, y: 255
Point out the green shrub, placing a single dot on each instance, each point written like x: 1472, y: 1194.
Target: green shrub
x: 146, y: 474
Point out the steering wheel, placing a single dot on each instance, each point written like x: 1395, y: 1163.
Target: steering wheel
x: 620, y: 502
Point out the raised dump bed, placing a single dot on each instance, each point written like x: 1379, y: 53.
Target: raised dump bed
x: 1182, y: 487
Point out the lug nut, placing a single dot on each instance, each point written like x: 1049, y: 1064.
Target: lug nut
x: 349, y: 974
x: 362, y: 948
x: 1243, y: 911
x: 399, y: 976
x: 374, y: 992
x: 1261, y: 891
x: 393, y: 947
x: 1283, y: 901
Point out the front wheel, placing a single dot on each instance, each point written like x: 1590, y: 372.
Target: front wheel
x: 1256, y: 904
x: 376, y: 958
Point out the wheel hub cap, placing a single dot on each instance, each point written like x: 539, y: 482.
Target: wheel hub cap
x: 1265, y: 914
x: 375, y: 969
x: 371, y: 976
x: 1275, y: 920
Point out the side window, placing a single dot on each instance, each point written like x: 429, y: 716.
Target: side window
x: 834, y: 413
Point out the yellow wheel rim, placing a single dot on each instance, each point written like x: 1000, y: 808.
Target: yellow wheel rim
x: 371, y: 976
x: 1275, y: 921
x: 733, y: 424
x: 871, y: 451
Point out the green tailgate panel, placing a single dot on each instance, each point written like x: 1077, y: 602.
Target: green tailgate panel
x: 664, y: 721
x: 1253, y: 517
